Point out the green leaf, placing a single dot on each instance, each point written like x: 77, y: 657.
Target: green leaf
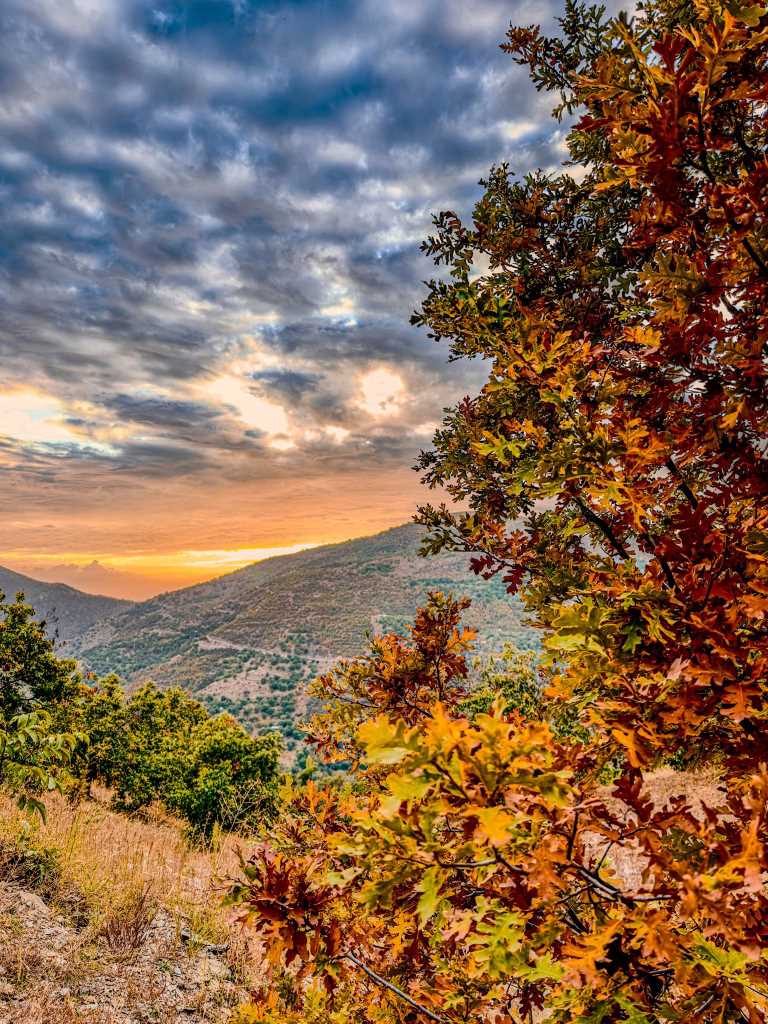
x: 384, y: 742
x: 429, y: 886
x: 408, y: 787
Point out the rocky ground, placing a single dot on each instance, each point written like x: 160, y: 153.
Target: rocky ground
x: 145, y: 970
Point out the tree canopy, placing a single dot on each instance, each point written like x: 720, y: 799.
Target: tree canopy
x: 614, y: 470
x: 58, y: 732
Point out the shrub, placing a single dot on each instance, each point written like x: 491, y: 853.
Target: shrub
x: 26, y: 861
x: 162, y: 745
x: 511, y: 675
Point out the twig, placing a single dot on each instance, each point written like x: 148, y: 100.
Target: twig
x: 757, y: 257
x: 681, y: 481
x: 465, y: 864
x: 572, y: 838
x: 602, y: 526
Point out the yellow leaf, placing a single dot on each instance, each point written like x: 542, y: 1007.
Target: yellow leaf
x: 646, y: 336
x: 603, y: 186
x: 495, y: 824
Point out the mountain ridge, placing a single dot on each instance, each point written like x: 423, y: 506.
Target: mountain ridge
x: 250, y: 641
x: 66, y: 610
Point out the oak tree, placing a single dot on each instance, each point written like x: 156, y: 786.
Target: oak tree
x: 613, y: 470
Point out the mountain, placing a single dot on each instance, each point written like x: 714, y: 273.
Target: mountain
x: 68, y: 612
x: 250, y: 641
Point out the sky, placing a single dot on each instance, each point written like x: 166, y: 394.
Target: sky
x: 210, y: 221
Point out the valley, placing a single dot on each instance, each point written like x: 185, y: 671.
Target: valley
x: 251, y: 641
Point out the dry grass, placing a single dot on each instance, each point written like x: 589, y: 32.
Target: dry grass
x: 109, y: 873
x: 48, y: 1007
x: 138, y: 932
x: 20, y: 962
x: 89, y: 859
x: 126, y: 927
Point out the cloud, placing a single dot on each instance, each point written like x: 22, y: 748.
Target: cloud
x: 291, y: 384
x: 210, y: 223
x: 32, y: 418
x: 382, y: 392
x: 160, y: 411
x: 254, y: 412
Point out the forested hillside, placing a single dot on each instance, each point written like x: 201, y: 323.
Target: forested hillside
x: 251, y: 641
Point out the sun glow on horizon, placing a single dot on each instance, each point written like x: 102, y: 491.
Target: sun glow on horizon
x: 237, y: 558
x: 139, y: 576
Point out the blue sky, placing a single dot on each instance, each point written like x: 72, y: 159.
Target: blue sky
x: 211, y: 214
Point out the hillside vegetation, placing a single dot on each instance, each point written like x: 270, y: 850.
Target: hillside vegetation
x: 106, y: 918
x: 56, y: 732
x: 250, y: 642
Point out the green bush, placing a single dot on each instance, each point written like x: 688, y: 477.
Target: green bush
x: 156, y: 745
x: 26, y: 861
x: 514, y: 676
x: 162, y: 745
x: 231, y: 778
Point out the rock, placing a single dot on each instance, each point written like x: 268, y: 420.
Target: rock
x: 213, y: 968
x: 33, y: 902
x: 162, y: 982
x: 190, y: 938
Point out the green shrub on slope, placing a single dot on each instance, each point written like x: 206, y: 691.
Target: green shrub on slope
x: 34, y: 686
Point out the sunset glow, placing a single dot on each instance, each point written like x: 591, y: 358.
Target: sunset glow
x: 140, y: 576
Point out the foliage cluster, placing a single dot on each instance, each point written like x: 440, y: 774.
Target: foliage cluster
x: 614, y: 469
x: 34, y: 683
x: 512, y: 675
x: 162, y: 745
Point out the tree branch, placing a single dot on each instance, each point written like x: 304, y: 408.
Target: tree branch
x: 757, y: 257
x: 602, y: 526
x: 681, y: 482
x: 465, y: 864
x: 392, y: 988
